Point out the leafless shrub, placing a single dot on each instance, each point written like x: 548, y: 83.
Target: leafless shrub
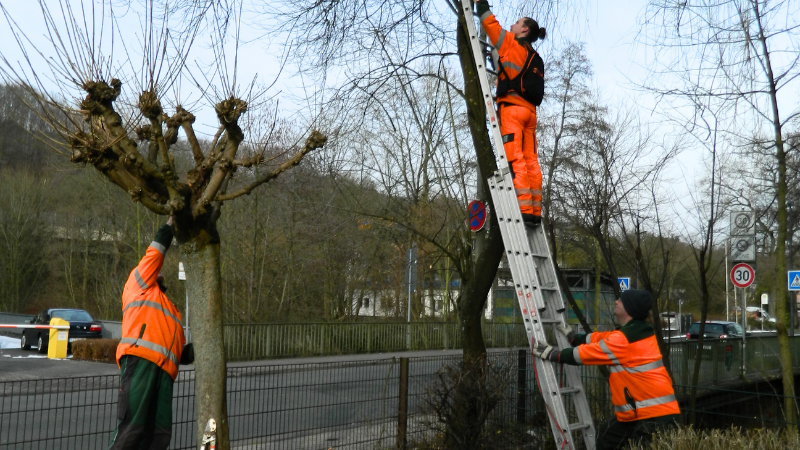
x: 462, y: 405
x: 101, y: 350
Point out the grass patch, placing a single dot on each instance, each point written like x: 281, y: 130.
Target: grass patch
x: 728, y: 439
x: 101, y: 350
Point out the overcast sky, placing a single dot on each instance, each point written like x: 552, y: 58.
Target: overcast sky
x: 609, y: 30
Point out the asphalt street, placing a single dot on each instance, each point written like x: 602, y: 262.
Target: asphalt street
x: 300, y: 403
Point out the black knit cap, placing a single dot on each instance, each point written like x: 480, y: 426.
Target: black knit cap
x: 637, y: 302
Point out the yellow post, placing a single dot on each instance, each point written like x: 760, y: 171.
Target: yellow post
x: 57, y: 346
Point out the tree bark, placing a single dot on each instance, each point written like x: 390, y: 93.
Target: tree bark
x: 200, y: 253
x: 489, y: 248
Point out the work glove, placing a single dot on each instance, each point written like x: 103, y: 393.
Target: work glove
x: 187, y: 355
x: 545, y: 351
x: 566, y: 331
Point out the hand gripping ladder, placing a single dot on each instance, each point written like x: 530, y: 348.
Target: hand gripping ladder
x: 535, y: 282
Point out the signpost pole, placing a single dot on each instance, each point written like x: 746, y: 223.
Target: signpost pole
x: 727, y: 308
x: 744, y: 327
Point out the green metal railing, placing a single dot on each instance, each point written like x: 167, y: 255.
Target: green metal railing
x: 258, y: 341
x: 722, y: 359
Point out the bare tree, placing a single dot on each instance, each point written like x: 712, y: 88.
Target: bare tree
x: 735, y: 52
x: 76, y: 86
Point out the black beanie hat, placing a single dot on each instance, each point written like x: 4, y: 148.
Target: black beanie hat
x: 637, y: 302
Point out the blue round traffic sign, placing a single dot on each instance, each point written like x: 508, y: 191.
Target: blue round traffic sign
x: 477, y: 215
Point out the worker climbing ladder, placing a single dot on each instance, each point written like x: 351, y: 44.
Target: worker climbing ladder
x: 532, y: 270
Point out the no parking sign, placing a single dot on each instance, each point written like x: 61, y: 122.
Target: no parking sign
x: 477, y: 215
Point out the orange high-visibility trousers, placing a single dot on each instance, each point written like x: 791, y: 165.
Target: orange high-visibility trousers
x: 518, y: 127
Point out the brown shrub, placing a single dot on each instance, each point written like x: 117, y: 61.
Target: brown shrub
x: 101, y: 350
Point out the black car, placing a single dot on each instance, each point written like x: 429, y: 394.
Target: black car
x: 715, y: 330
x: 81, y: 326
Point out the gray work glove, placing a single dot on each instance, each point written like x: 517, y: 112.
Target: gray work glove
x: 567, y: 331
x: 545, y: 351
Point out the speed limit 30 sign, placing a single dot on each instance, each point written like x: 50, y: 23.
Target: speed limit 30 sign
x: 742, y: 275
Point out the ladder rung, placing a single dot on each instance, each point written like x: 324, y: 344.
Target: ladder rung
x: 553, y: 321
x: 570, y: 390
x: 578, y: 426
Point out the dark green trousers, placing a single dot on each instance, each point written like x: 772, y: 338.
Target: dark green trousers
x: 617, y: 435
x: 144, y: 408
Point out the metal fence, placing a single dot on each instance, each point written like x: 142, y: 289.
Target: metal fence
x: 349, y: 405
x: 248, y: 342
x: 722, y: 359
x: 352, y: 405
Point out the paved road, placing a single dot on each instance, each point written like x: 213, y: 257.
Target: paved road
x: 302, y: 403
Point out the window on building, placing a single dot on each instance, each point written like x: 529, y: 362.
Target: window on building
x: 365, y: 302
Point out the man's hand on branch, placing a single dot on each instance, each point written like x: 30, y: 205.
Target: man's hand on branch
x: 170, y: 220
x: 545, y: 351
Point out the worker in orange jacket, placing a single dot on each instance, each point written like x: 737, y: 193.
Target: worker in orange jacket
x: 641, y: 389
x: 151, y: 348
x: 517, y: 115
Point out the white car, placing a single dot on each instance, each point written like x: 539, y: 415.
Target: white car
x: 754, y: 312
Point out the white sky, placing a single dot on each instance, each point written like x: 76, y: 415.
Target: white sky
x: 607, y: 31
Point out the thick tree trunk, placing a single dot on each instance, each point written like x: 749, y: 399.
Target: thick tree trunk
x: 200, y: 254
x: 489, y: 248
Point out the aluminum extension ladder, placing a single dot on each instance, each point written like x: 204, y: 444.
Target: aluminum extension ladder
x: 535, y: 282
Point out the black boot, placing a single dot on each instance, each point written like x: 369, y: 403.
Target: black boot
x: 531, y: 221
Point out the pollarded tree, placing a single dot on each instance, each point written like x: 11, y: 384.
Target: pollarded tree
x: 130, y: 136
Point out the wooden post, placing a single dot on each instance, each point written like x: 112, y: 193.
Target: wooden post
x: 402, y: 406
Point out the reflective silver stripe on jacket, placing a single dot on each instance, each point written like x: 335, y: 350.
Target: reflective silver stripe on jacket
x: 154, y: 305
x: 645, y: 367
x: 511, y: 65
x: 151, y: 346
x: 589, y: 338
x: 485, y: 15
x: 645, y: 403
x: 500, y: 39
x: 576, y: 354
x: 139, y: 279
x: 161, y: 249
x: 609, y: 353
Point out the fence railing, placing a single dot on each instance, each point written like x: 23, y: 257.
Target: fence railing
x: 343, y: 405
x: 261, y: 341
x: 722, y: 359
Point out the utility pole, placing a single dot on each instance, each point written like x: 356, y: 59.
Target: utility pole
x: 411, y: 279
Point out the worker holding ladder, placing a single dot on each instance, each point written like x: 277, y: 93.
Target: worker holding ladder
x: 641, y: 389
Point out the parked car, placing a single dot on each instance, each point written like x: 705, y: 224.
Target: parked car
x: 81, y: 326
x: 715, y: 329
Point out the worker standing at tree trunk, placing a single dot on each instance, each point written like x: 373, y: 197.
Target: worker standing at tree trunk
x: 641, y: 389
x: 149, y: 353
x: 520, y: 86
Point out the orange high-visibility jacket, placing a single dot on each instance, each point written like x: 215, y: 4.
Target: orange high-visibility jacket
x: 151, y: 324
x: 641, y: 388
x: 512, y: 54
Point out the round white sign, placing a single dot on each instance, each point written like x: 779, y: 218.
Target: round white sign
x: 742, y: 275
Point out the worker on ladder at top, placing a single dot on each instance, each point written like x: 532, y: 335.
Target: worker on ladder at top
x: 520, y: 87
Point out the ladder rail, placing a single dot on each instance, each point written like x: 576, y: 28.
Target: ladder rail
x: 529, y: 259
